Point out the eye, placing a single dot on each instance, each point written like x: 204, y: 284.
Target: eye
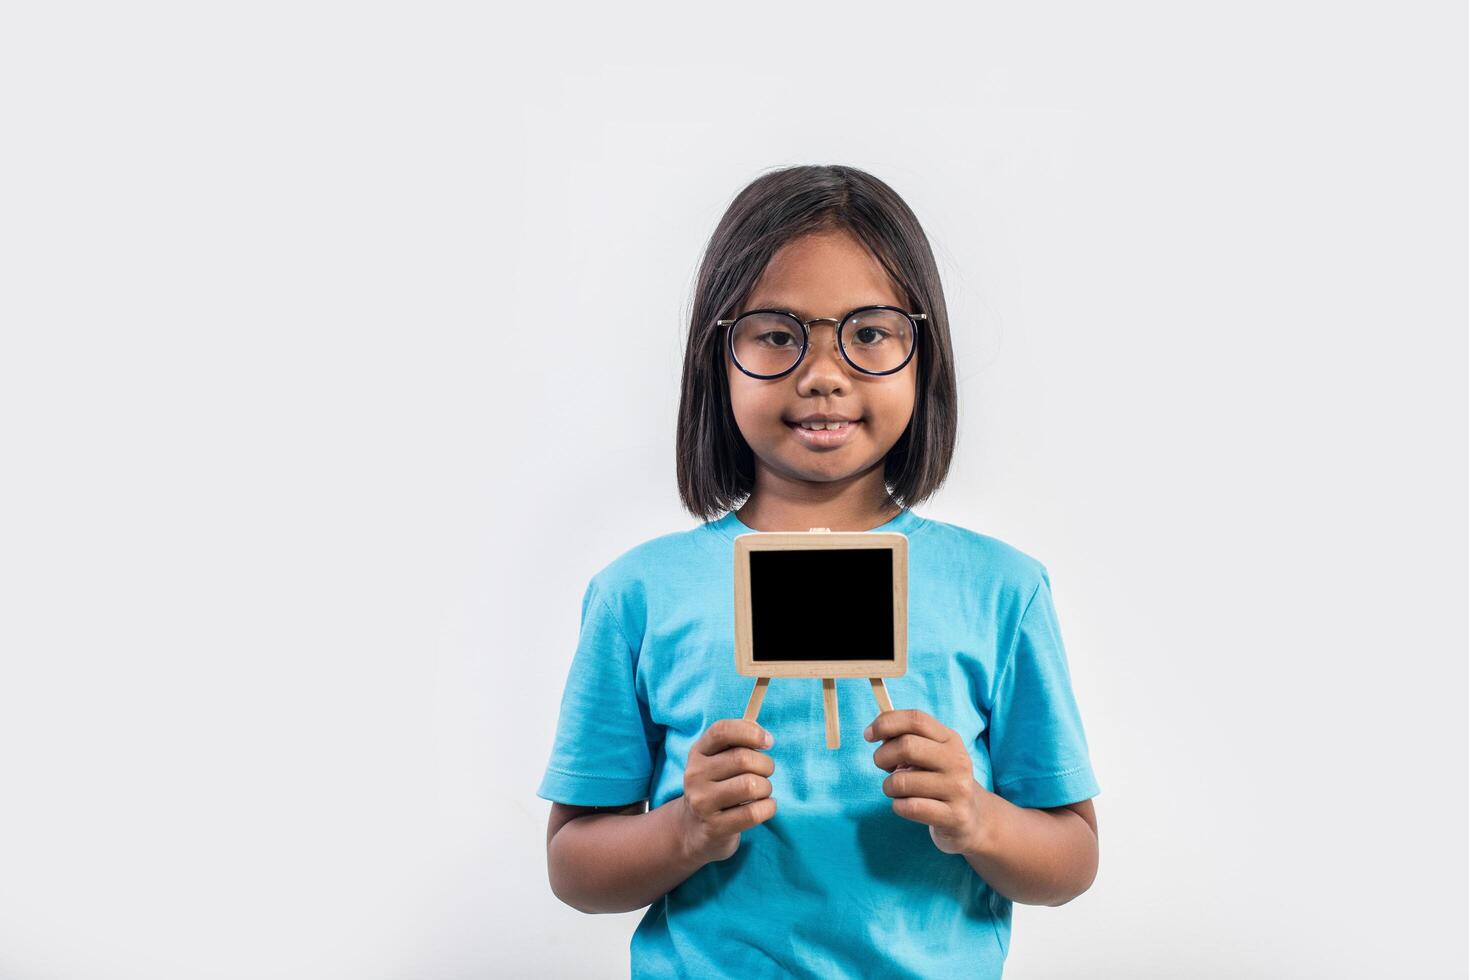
x: 870, y: 335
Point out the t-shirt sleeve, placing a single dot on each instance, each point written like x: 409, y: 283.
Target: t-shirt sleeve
x: 602, y: 754
x: 1038, y: 749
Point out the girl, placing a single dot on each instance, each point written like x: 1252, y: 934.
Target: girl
x: 818, y: 391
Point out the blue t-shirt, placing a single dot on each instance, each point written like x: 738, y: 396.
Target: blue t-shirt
x: 835, y: 884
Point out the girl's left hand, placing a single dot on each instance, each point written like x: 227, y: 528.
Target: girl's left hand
x: 932, y: 779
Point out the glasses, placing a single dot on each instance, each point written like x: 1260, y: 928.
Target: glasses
x: 770, y: 343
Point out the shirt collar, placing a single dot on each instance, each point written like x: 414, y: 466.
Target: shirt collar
x: 905, y: 523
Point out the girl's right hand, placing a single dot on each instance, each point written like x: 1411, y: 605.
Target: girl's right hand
x: 725, y: 789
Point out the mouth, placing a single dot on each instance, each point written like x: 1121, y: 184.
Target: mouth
x: 825, y: 438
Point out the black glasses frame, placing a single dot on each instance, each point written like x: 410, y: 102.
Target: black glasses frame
x: 805, y: 325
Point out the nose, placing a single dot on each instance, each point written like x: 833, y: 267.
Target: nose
x: 823, y: 367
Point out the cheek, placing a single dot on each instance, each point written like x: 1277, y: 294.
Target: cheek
x: 893, y: 406
x: 751, y: 398
x: 757, y: 416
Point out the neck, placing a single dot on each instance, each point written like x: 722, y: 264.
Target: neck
x: 853, y: 508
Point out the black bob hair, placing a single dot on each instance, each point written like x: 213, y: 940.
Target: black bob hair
x: 716, y: 467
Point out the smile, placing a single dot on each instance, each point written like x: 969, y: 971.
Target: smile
x: 824, y: 438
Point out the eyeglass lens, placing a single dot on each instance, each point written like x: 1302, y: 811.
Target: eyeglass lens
x: 770, y: 343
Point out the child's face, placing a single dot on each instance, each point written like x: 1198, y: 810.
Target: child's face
x: 822, y: 274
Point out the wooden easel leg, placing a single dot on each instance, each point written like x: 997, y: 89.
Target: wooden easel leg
x: 880, y: 691
x: 833, y: 719
x: 752, y: 709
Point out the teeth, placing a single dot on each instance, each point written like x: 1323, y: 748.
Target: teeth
x: 824, y: 425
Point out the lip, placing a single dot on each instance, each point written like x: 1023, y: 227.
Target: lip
x: 827, y: 438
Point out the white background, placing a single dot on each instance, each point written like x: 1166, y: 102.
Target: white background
x: 341, y: 345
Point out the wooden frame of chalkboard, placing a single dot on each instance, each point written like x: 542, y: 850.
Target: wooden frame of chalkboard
x: 746, y: 546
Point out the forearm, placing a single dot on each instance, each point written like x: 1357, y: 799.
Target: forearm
x: 612, y: 862
x: 1033, y: 856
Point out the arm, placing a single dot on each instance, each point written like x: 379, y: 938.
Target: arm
x: 628, y: 859
x: 1035, y: 856
x: 1031, y: 853
x: 616, y: 859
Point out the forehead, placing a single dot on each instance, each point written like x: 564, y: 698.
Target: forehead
x: 824, y: 274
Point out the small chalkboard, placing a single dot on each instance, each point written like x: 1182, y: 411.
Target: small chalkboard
x: 821, y: 604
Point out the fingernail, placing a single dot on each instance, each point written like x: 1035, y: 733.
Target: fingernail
x: 867, y: 733
x: 769, y: 740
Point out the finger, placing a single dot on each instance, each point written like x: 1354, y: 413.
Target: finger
x: 911, y: 750
x: 920, y: 809
x: 916, y: 782
x: 889, y: 724
x: 727, y: 732
x: 708, y: 797
x: 732, y: 762
x: 737, y: 790
x: 739, y: 818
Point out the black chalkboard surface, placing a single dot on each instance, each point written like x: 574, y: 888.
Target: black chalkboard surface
x: 822, y: 604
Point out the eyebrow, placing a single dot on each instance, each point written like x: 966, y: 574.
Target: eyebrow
x: 791, y: 308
